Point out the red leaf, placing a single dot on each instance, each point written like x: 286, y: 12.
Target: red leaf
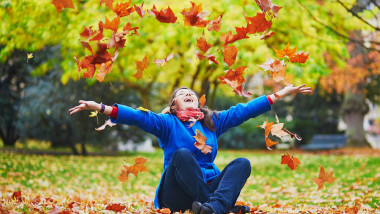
x: 241, y: 33
x: 108, y: 3
x: 163, y: 61
x: 164, y: 15
x: 17, y: 196
x: 211, y: 58
x: 291, y: 161
x: 141, y: 66
x: 117, y: 207
x: 123, y: 9
x: 267, y: 5
x: 194, y: 16
x: 87, y: 32
x: 112, y: 25
x: 98, y: 36
x: 229, y: 54
x: 86, y: 45
x: 203, y: 45
x: 234, y: 79
x: 257, y: 24
x: 299, y: 57
x: 215, y: 24
x: 59, y: 4
x: 140, y: 10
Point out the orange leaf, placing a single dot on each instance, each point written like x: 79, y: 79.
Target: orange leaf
x: 164, y: 15
x: 123, y: 9
x: 324, y: 177
x: 138, y: 167
x: 299, y: 57
x: 59, y: 4
x: 229, y: 54
x: 286, y: 52
x: 201, y: 142
x: 98, y: 36
x: 257, y: 24
x: 108, y: 3
x: 87, y: 32
x: 211, y: 58
x: 203, y: 45
x: 194, y: 16
x: 162, y: 62
x: 112, y: 25
x: 117, y: 207
x: 141, y: 65
x: 140, y: 10
x: 202, y: 100
x: 267, y: 5
x: 291, y: 161
x: 269, y: 143
x: 241, y: 33
x: 215, y: 24
x: 164, y: 211
x: 86, y: 45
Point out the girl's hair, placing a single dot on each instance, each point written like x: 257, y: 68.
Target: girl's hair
x: 206, y: 121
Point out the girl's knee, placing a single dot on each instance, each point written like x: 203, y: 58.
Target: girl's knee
x: 244, y: 163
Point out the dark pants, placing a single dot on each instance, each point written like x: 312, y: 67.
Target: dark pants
x: 183, y: 183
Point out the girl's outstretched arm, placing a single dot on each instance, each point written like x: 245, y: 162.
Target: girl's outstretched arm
x: 90, y: 105
x: 290, y: 89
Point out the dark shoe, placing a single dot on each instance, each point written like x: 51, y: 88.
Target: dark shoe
x: 239, y: 209
x: 199, y: 208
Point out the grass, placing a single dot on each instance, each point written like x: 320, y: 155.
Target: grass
x: 95, y: 177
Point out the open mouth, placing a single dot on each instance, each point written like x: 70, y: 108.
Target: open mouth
x: 188, y: 100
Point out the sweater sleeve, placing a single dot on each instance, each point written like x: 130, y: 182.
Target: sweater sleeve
x: 240, y: 113
x: 156, y: 124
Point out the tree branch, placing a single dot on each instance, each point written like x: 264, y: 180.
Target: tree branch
x: 357, y: 16
x: 375, y: 3
x: 361, y: 43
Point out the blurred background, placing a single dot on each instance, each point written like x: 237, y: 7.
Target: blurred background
x: 342, y: 36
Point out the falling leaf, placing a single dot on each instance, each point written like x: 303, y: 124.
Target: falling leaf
x: 299, y: 57
x: 202, y: 100
x: 140, y: 10
x: 203, y: 45
x: 229, y: 54
x: 29, y: 56
x: 163, y: 62
x: 257, y: 24
x: 141, y: 66
x: 269, y: 143
x: 201, y: 142
x: 95, y: 114
x: 324, y: 177
x: 241, y: 33
x: 99, y: 35
x: 143, y: 109
x: 291, y: 161
x: 86, y: 45
x: 286, y: 52
x: 211, y: 58
x: 138, y: 167
x: 106, y: 123
x: 117, y: 207
x: 108, y: 3
x: 164, y: 15
x: 267, y: 5
x: 105, y: 68
x: 112, y: 25
x: 276, y: 129
x: 194, y: 16
x: 215, y: 24
x: 59, y: 4
x: 123, y: 9
x: 88, y: 32
x: 267, y: 35
x: 293, y: 135
x: 235, y: 79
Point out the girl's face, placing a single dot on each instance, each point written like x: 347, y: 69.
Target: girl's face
x: 185, y: 99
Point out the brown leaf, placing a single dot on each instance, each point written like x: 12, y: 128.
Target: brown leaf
x: 202, y: 100
x: 215, y: 24
x: 211, y: 58
x: 201, y: 142
x: 203, y: 45
x: 291, y: 161
x: 324, y: 177
x: 141, y: 66
x: 267, y: 5
x: 229, y: 54
x: 86, y: 45
x: 140, y: 10
x: 194, y: 16
x: 117, y: 207
x: 123, y: 9
x: 17, y: 196
x: 257, y: 24
x: 59, y: 4
x: 164, y: 15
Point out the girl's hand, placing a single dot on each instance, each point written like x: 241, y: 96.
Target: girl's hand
x: 85, y: 105
x: 290, y: 89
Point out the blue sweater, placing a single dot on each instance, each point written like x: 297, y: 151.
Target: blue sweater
x: 173, y: 134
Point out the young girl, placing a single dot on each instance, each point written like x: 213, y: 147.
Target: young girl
x: 190, y: 179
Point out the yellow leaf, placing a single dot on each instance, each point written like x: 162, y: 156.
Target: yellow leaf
x: 94, y: 114
x: 30, y: 55
x: 143, y: 109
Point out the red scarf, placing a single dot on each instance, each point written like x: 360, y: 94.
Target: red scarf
x: 190, y: 115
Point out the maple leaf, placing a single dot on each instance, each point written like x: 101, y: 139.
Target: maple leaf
x: 215, y: 24
x: 201, y: 142
x: 104, y: 69
x: 324, y: 177
x: 269, y: 143
x: 276, y: 129
x: 299, y: 57
x: 194, y: 16
x: 112, y: 25
x: 241, y: 33
x: 59, y: 4
x: 102, y: 55
x: 164, y: 15
x: 276, y: 67
x: 229, y: 54
x: 234, y: 75
x: 108, y: 3
x: 106, y: 123
x: 267, y: 5
x: 291, y: 161
x: 238, y: 89
x: 143, y: 109
x: 203, y: 45
x: 117, y: 40
x: 138, y: 167
x: 17, y: 196
x: 211, y: 58
x: 141, y: 66
x: 163, y: 62
x: 117, y: 207
x: 267, y: 35
x: 86, y: 45
x: 202, y: 100
x: 164, y: 211
x: 127, y: 27
x: 123, y: 9
x: 140, y: 10
x: 257, y: 24
x: 98, y: 36
x: 87, y: 32
x: 286, y: 52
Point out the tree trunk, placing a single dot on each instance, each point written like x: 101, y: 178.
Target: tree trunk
x: 8, y: 136
x: 354, y: 108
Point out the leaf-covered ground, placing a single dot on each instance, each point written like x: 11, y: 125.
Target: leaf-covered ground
x: 70, y: 184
